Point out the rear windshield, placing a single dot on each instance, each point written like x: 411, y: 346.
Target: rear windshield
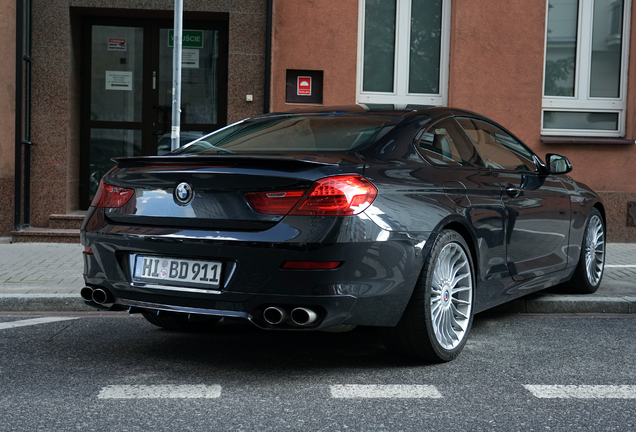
x: 295, y: 133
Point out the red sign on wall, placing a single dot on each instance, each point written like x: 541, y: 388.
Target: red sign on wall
x: 303, y: 86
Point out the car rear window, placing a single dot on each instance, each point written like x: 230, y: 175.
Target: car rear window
x: 295, y: 133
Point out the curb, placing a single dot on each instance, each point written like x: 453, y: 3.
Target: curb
x: 43, y: 303
x: 542, y: 304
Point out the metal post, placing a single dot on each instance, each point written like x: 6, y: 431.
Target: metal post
x: 176, y: 75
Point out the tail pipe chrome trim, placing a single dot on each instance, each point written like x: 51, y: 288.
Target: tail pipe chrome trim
x: 100, y: 296
x: 87, y: 293
x: 274, y: 315
x: 303, y: 316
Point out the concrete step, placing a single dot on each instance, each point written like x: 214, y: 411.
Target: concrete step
x: 66, y: 221
x: 45, y: 235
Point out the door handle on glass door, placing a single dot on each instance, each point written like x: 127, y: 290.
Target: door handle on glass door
x: 164, y: 114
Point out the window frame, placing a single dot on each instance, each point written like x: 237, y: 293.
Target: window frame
x: 400, y: 96
x: 582, y: 102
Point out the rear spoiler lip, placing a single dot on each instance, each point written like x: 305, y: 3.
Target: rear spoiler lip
x: 231, y: 160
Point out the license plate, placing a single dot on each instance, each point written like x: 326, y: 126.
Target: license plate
x: 177, y: 272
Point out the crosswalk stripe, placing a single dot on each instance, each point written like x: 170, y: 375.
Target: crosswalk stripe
x: 583, y: 391
x: 160, y: 392
x: 384, y: 391
x: 34, y: 321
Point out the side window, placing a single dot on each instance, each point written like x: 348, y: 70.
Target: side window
x: 497, y: 148
x: 445, y: 144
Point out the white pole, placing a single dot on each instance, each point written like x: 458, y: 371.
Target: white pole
x: 176, y: 75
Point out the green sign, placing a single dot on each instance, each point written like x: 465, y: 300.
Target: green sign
x: 191, y: 38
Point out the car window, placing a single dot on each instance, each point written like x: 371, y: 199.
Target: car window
x: 294, y: 133
x: 497, y: 148
x: 445, y: 144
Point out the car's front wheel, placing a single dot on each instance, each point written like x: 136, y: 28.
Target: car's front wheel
x: 438, y: 318
x: 589, y: 270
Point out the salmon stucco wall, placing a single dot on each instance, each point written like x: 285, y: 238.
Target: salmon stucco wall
x: 319, y: 35
x: 7, y: 114
x: 496, y: 62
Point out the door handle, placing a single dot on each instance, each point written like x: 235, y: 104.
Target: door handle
x: 164, y: 114
x: 513, y: 191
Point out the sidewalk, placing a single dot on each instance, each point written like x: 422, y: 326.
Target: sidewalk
x: 48, y: 277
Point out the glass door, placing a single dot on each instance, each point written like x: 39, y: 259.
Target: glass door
x: 127, y: 85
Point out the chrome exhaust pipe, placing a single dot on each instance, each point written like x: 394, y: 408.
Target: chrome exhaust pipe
x: 100, y: 296
x: 274, y: 315
x: 87, y: 293
x: 303, y: 316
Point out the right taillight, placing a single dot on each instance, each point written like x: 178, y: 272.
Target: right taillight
x: 110, y: 196
x: 332, y: 196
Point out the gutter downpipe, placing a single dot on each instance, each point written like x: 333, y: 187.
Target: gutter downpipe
x: 19, y: 44
x: 23, y: 42
x: 268, y: 56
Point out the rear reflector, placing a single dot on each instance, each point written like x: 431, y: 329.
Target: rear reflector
x: 109, y: 196
x: 311, y: 265
x: 331, y: 196
x: 88, y: 250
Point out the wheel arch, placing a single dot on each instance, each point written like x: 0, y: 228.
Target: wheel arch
x: 460, y: 227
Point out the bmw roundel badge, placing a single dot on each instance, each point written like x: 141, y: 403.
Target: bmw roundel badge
x: 183, y: 193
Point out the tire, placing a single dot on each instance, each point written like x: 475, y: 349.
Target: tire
x: 438, y: 318
x: 180, y: 322
x: 589, y: 270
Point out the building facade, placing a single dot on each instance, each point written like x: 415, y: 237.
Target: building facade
x: 560, y: 74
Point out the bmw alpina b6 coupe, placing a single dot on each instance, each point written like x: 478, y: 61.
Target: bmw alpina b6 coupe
x: 325, y: 219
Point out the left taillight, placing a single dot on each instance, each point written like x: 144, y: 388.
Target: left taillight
x: 110, y: 196
x: 345, y: 195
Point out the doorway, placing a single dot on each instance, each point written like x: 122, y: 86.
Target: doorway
x: 126, y: 101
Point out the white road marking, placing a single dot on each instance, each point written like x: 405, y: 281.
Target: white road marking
x: 160, y: 392
x: 34, y: 321
x: 583, y: 391
x: 620, y: 265
x: 385, y: 391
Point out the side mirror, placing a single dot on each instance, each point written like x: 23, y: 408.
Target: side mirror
x: 558, y: 164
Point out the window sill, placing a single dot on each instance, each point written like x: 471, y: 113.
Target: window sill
x: 585, y: 140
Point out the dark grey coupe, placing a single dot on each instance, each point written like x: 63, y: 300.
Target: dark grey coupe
x: 411, y: 221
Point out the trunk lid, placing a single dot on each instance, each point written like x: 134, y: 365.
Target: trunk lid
x: 218, y: 184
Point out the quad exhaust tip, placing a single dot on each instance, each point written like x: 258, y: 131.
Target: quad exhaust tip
x: 299, y: 316
x: 303, y: 316
x: 274, y: 315
x: 96, y: 295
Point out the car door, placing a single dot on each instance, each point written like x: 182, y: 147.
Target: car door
x: 471, y: 186
x: 537, y: 204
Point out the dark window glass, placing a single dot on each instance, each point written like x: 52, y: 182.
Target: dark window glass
x: 497, y: 148
x: 445, y: 144
x: 294, y: 133
x: 379, y: 45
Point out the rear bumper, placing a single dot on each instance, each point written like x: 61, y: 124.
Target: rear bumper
x: 372, y: 286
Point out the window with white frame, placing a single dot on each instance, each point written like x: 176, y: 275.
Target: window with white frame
x: 585, y: 80
x: 403, y: 50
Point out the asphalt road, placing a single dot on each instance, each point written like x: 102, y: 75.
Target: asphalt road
x: 120, y: 373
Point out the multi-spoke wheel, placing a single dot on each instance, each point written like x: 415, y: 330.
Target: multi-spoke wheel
x: 437, y: 320
x: 589, y: 271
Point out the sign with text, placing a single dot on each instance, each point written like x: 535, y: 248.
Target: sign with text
x: 116, y: 44
x: 191, y: 38
x: 303, y: 86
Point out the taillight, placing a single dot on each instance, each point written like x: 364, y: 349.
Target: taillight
x: 337, y: 196
x: 274, y: 203
x: 331, y: 196
x: 109, y: 196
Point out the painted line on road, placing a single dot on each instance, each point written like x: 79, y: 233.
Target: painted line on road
x: 583, y: 391
x: 351, y: 391
x: 34, y: 321
x: 160, y: 392
x: 620, y: 265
